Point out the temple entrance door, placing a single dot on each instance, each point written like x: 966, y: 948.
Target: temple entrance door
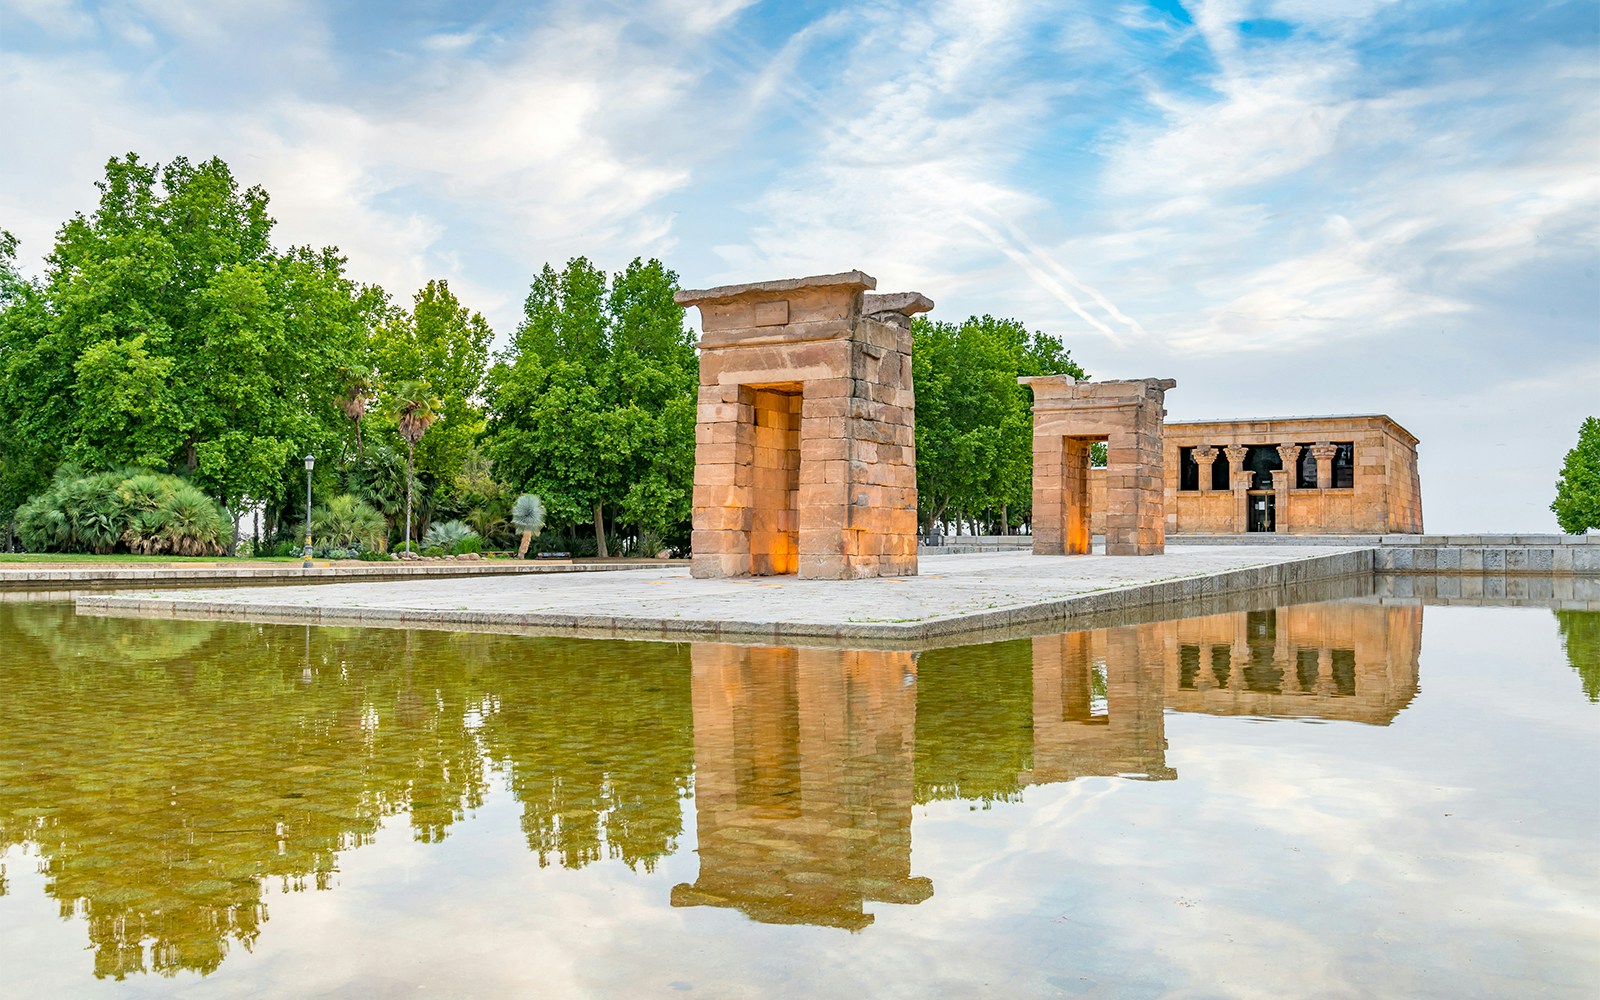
x: 1261, y: 512
x: 775, y: 480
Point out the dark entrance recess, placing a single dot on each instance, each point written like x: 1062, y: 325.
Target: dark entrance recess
x: 1344, y: 466
x: 1188, y: 471
x: 1261, y: 461
x: 1306, y: 470
x: 1262, y: 513
x: 1219, y: 471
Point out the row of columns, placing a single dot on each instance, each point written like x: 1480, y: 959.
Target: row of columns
x: 1283, y: 480
x: 1285, y: 657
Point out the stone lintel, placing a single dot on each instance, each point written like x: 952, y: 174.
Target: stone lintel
x: 793, y: 333
x: 855, y: 281
x: 904, y: 303
x: 1065, y: 387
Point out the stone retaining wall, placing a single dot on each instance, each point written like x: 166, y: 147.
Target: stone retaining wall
x: 1568, y: 593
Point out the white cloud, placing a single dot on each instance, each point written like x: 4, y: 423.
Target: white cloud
x: 1168, y: 198
x: 548, y: 151
x: 62, y: 18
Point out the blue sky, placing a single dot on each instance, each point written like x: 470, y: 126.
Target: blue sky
x: 1291, y: 207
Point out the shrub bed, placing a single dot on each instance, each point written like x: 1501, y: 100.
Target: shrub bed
x: 145, y: 513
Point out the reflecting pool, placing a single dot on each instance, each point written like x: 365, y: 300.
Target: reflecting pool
x: 1322, y: 799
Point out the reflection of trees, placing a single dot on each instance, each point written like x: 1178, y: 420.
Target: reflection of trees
x: 597, y: 737
x: 160, y: 792
x: 1580, y: 637
x: 93, y: 640
x: 974, y: 721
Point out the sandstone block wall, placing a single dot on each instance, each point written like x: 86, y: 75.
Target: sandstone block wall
x: 1067, y: 417
x: 1072, y: 736
x: 805, y: 442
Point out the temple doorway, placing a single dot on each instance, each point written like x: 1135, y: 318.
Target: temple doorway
x: 1261, y: 511
x: 775, y: 481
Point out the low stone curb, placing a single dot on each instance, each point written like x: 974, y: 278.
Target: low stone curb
x: 295, y: 574
x: 1313, y: 569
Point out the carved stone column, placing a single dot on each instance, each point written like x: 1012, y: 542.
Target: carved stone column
x: 1324, y: 452
x: 1283, y: 485
x: 1289, y: 455
x: 1205, y: 458
x: 1239, y: 483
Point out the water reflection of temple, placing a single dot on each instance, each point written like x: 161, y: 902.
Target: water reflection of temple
x: 1097, y: 706
x: 803, y: 783
x: 162, y: 772
x: 1346, y: 661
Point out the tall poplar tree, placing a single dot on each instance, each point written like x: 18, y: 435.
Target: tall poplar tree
x: 592, y: 407
x: 974, y: 422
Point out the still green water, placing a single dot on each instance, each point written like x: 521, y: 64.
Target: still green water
x: 1309, y: 801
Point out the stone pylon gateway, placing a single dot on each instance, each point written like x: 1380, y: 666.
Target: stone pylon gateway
x: 1068, y: 417
x: 805, y: 444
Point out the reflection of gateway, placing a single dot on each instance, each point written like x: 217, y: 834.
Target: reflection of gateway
x: 1075, y: 733
x: 803, y: 785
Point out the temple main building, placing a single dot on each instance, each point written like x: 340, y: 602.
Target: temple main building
x: 1335, y: 475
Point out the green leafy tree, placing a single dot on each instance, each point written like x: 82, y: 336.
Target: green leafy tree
x: 592, y: 407
x: 974, y: 422
x: 414, y: 409
x: 169, y: 332
x: 1577, y: 503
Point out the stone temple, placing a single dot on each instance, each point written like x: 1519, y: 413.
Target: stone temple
x: 805, y: 440
x: 1353, y: 474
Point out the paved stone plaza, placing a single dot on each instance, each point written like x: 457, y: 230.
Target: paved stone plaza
x: 954, y: 594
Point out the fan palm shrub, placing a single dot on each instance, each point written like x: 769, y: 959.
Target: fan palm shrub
x: 527, y: 514
x: 76, y: 513
x: 197, y: 525
x: 142, y: 512
x: 450, y: 536
x: 379, y: 479
x: 348, y: 522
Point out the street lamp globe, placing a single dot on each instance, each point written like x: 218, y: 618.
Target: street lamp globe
x: 311, y: 461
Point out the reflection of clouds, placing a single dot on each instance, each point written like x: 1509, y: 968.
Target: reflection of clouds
x: 1286, y: 859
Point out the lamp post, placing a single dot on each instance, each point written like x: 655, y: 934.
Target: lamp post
x: 311, y: 461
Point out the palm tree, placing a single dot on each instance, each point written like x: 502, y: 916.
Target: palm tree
x: 528, y: 516
x: 414, y: 409
x: 354, y: 401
